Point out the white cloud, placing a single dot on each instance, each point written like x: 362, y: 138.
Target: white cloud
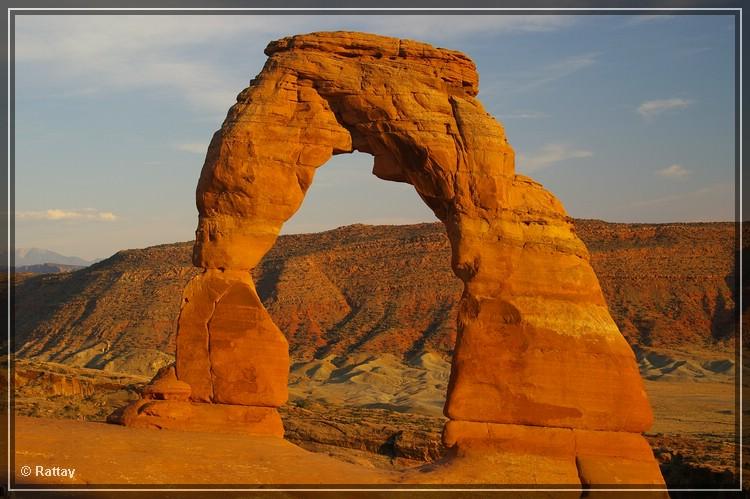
x: 192, y: 147
x: 549, y: 155
x: 99, y: 54
x: 653, y: 108
x: 55, y: 214
x: 673, y: 171
x: 107, y: 215
x: 123, y: 37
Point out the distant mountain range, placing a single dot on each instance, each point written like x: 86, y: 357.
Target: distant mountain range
x: 373, y: 289
x: 38, y: 256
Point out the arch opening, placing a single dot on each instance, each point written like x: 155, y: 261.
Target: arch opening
x: 345, y: 192
x: 368, y: 309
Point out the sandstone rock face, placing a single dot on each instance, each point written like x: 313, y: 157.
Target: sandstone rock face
x: 228, y: 348
x: 231, y: 364
x: 536, y: 345
x: 552, y: 455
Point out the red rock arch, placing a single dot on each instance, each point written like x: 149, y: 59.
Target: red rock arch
x: 538, y: 358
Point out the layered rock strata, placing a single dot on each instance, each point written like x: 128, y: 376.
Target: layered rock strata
x: 537, y: 352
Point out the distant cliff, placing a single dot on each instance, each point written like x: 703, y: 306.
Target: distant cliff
x: 372, y: 289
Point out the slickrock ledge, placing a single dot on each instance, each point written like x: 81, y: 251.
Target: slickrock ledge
x: 536, y: 345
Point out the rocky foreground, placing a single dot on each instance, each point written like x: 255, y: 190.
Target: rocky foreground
x: 350, y: 412
x: 56, y: 452
x: 102, y: 454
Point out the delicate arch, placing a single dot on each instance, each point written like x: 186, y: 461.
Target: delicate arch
x: 536, y: 345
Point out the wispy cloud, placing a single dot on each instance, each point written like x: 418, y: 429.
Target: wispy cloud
x: 648, y: 18
x: 692, y: 51
x: 455, y: 26
x: 673, y: 171
x: 652, y: 108
x: 86, y: 55
x: 538, y: 77
x: 561, y: 69
x: 102, y: 54
x: 192, y: 147
x: 550, y: 154
x: 56, y: 214
x: 697, y: 194
x: 527, y: 115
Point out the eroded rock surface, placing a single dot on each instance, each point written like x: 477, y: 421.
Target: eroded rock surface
x: 536, y: 345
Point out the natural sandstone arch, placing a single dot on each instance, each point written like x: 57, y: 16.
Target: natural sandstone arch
x: 539, y: 367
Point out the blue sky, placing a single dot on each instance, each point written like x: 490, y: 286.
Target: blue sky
x: 624, y: 118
